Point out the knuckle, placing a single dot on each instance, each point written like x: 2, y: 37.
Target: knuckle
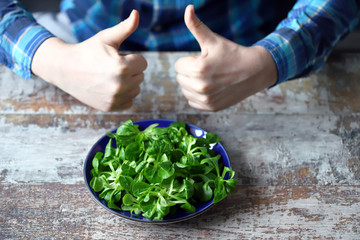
x: 202, y: 69
x: 139, y: 79
x: 126, y: 105
x: 122, y: 70
x: 140, y: 60
x: 135, y: 92
x: 114, y: 88
x: 108, y: 105
x: 207, y: 100
x: 211, y: 103
x: 213, y: 108
x: 204, y: 87
x: 106, y: 108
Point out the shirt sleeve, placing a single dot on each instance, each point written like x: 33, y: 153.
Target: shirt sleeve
x: 20, y: 36
x: 301, y: 43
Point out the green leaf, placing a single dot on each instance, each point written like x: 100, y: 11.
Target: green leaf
x: 150, y: 128
x: 154, y: 133
x: 228, y: 170
x: 176, y: 155
x: 122, y: 154
x: 191, y: 160
x: 128, y: 199
x: 188, y: 143
x: 211, y: 138
x: 209, y: 176
x: 178, y: 125
x: 189, y: 188
x: 147, y: 198
x: 127, y: 168
x: 150, y: 212
x: 125, y: 182
x: 109, y: 150
x: 208, y: 140
x: 140, y: 166
x: 203, y: 191
x: 127, y: 132
x: 117, y: 196
x: 181, y: 165
x: 219, y: 191
x: 139, y: 188
x: 150, y: 173
x: 159, y: 133
x: 166, y: 168
x: 213, y: 162
x: 96, y: 161
x: 106, y: 193
x: 188, y: 207
x: 161, y: 212
x: 177, y: 132
x: 153, y: 148
x: 230, y: 185
x: 97, y: 183
x: 111, y: 135
x: 133, y: 151
x: 148, y: 206
x: 112, y: 200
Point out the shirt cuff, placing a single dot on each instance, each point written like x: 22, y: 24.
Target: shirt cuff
x: 19, y: 42
x: 284, y: 49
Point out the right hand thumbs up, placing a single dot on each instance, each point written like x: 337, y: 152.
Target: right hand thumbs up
x: 94, y: 71
x: 115, y: 35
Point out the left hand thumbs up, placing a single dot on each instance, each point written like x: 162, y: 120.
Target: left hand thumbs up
x: 225, y: 72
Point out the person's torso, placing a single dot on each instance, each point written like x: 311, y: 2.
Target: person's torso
x: 162, y: 26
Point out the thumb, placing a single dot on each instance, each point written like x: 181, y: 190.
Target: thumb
x: 201, y: 32
x: 115, y: 35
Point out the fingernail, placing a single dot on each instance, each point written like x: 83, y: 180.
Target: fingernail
x: 130, y: 16
x: 132, y: 13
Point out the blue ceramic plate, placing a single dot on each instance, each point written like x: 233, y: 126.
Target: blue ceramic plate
x: 180, y: 215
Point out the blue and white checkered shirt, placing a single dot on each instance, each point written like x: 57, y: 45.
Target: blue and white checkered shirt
x: 299, y: 44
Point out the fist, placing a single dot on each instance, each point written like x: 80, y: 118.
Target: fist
x: 94, y: 71
x: 225, y: 72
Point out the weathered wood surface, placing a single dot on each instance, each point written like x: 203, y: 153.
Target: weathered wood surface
x: 295, y: 149
x: 280, y: 212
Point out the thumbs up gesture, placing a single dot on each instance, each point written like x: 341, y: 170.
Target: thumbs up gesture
x: 94, y: 71
x: 225, y: 72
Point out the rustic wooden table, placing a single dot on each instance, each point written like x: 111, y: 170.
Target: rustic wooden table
x: 295, y: 149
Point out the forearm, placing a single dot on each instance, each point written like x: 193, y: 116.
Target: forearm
x: 266, y: 73
x: 302, y: 42
x: 49, y: 59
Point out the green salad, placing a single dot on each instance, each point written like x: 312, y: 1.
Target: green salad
x: 156, y: 171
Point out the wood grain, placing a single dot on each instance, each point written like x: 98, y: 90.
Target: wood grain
x: 263, y: 149
x: 295, y: 149
x: 296, y: 212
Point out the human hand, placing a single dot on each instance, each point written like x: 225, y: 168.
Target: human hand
x: 94, y: 71
x: 225, y: 73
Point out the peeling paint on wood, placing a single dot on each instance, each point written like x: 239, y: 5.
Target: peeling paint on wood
x: 295, y: 149
x: 263, y: 149
x: 277, y: 212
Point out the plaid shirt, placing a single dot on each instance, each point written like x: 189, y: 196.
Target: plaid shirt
x: 299, y: 44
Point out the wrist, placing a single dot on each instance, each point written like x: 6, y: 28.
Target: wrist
x: 266, y: 64
x: 48, y: 58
